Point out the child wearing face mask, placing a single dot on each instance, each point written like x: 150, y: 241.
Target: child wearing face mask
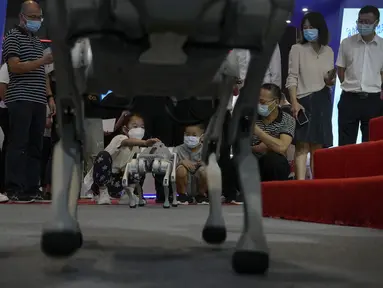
x: 190, y: 172
x: 109, y: 165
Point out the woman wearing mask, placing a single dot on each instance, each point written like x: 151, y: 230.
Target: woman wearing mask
x: 108, y: 169
x: 311, y: 72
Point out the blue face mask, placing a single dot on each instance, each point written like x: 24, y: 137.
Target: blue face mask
x: 191, y: 141
x: 366, y: 29
x: 264, y: 111
x: 310, y: 35
x: 33, y: 25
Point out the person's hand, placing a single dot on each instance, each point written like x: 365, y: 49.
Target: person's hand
x: 256, y: 130
x: 189, y: 165
x: 150, y: 142
x: 48, y: 122
x: 52, y: 106
x: 48, y: 59
x: 125, y: 113
x: 330, y: 78
x: 331, y: 74
x: 295, y: 108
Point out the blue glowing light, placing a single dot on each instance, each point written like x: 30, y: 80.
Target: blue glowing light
x: 106, y: 94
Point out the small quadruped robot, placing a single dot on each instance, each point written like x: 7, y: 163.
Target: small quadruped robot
x: 157, y: 160
x: 166, y: 48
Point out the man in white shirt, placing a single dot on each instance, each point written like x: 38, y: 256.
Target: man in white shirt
x: 4, y: 80
x: 239, y: 60
x: 360, y: 71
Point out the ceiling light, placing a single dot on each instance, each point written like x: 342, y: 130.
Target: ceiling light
x: 288, y: 21
x: 305, y: 9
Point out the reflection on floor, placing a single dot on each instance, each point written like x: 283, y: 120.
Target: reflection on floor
x: 153, y: 247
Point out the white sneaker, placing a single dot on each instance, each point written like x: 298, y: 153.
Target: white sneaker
x: 3, y: 198
x: 124, y: 199
x: 104, y: 198
x: 89, y: 194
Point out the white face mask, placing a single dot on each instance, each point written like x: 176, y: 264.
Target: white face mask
x: 191, y: 141
x: 136, y: 133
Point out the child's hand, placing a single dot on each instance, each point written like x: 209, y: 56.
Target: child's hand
x: 189, y: 165
x: 151, y: 142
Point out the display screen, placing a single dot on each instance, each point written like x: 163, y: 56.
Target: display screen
x: 350, y: 15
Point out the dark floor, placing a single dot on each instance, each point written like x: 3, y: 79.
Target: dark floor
x: 151, y: 247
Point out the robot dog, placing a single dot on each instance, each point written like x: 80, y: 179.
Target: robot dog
x: 167, y: 48
x: 159, y: 161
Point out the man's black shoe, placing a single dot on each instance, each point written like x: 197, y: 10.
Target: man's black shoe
x: 184, y: 199
x: 20, y: 198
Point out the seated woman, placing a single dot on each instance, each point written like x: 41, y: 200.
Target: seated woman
x: 190, y: 174
x: 109, y: 165
x: 273, y: 134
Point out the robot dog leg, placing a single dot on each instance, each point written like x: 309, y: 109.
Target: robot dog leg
x: 214, y: 231
x: 133, y: 168
x: 63, y: 237
x: 173, y: 180
x: 162, y: 166
x: 252, y: 255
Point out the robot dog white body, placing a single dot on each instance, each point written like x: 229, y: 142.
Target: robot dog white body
x: 157, y: 160
x: 167, y: 48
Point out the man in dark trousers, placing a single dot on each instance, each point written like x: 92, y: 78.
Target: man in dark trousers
x: 26, y: 98
x: 360, y: 71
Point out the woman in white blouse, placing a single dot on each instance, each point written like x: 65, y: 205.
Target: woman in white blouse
x: 311, y: 72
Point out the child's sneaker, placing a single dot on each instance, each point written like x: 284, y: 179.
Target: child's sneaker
x: 3, y: 198
x: 184, y: 199
x: 202, y: 200
x: 104, y: 198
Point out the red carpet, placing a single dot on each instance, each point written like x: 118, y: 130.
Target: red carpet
x: 348, y: 201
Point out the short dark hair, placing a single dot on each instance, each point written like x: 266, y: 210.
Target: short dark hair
x: 274, y: 89
x: 317, y: 21
x: 370, y: 9
x: 199, y: 125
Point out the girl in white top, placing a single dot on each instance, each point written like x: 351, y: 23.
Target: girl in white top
x: 109, y: 165
x: 311, y: 72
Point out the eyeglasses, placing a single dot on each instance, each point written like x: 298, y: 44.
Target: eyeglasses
x: 364, y: 21
x: 35, y: 17
x: 266, y: 101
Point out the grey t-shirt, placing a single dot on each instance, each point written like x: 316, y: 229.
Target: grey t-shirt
x: 184, y: 152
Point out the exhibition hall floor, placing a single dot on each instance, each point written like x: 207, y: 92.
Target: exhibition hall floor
x: 151, y: 247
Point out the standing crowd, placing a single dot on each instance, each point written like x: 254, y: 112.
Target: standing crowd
x: 28, y: 109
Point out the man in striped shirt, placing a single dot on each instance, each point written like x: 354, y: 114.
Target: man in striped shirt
x: 273, y: 134
x: 26, y: 98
